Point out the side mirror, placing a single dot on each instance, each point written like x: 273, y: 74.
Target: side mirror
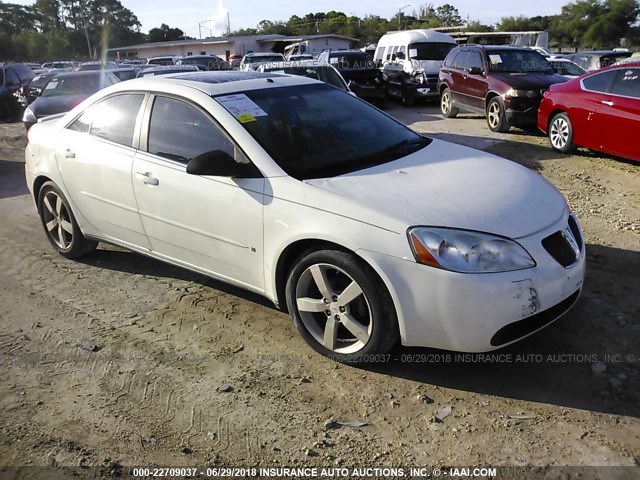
x: 220, y: 164
x: 399, y: 56
x: 475, y: 71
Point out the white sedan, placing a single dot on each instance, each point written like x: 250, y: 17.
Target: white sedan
x: 366, y: 232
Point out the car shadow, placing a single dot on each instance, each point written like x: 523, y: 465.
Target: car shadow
x: 554, y: 366
x: 113, y: 258
x: 12, y: 180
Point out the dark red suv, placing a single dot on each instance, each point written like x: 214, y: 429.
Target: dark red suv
x: 503, y: 83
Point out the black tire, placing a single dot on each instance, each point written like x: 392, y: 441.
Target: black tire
x: 496, y: 116
x: 560, y: 133
x: 60, y: 224
x: 408, y: 99
x: 371, y: 309
x: 446, y: 104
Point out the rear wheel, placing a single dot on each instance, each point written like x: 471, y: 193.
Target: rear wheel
x: 446, y: 104
x: 60, y: 225
x: 561, y: 133
x: 496, y: 116
x: 341, y: 308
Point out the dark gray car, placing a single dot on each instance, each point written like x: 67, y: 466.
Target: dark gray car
x: 65, y: 91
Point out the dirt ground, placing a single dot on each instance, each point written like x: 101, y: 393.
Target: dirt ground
x: 120, y: 360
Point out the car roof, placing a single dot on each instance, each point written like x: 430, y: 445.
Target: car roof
x: 82, y: 73
x: 262, y: 54
x: 602, y: 52
x: 214, y: 82
x: 498, y: 47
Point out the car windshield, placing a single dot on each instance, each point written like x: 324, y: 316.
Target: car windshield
x: 567, y: 68
x: 324, y: 74
x: 518, y: 61
x: 76, y: 85
x: 429, y: 50
x: 351, y: 61
x: 264, y: 58
x: 39, y: 81
x: 198, y: 60
x: 317, y: 131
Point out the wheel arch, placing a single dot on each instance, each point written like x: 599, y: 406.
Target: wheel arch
x: 556, y: 110
x: 490, y: 95
x: 39, y: 181
x: 294, y: 250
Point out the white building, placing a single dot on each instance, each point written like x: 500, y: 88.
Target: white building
x: 224, y: 47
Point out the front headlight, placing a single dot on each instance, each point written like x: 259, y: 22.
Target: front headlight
x: 522, y: 93
x: 466, y: 251
x: 29, y: 116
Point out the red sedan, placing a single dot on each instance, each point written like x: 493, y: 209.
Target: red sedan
x: 599, y: 110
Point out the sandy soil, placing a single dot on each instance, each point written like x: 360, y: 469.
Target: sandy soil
x: 121, y: 360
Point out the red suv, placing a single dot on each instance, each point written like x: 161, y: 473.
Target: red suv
x: 503, y: 83
x: 600, y: 111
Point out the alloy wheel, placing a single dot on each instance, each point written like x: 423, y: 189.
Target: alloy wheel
x: 333, y: 308
x: 57, y: 220
x: 494, y: 115
x: 445, y: 103
x: 559, y: 133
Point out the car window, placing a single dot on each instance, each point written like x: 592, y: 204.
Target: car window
x: 475, y: 60
x: 627, y: 83
x: 12, y: 77
x: 448, y: 61
x: 600, y: 82
x: 179, y: 131
x: 114, y: 119
x: 461, y: 60
x: 83, y: 122
x: 518, y: 61
x: 380, y: 54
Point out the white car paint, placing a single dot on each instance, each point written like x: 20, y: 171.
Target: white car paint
x: 237, y: 229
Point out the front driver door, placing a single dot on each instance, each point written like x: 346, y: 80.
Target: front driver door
x: 618, y: 116
x: 213, y: 224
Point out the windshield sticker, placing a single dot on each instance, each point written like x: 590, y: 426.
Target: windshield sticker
x: 333, y: 60
x: 495, y: 59
x: 245, y: 118
x: 241, y: 107
x: 51, y: 85
x: 413, y: 52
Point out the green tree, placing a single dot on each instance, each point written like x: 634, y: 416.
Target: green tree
x: 165, y: 33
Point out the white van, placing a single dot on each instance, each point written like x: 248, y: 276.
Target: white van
x: 410, y: 61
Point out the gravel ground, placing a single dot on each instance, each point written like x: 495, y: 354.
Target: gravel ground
x: 122, y: 360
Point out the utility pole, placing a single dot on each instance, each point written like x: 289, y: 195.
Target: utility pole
x: 400, y: 15
x: 228, y: 25
x: 84, y: 26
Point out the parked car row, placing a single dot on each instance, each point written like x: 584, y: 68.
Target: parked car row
x: 515, y: 86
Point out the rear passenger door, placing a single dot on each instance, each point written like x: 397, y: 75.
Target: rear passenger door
x: 474, y: 84
x: 95, y: 155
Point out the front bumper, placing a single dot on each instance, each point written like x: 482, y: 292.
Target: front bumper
x: 367, y: 91
x: 522, y: 111
x: 480, y: 312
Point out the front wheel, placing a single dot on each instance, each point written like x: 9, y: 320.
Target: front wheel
x: 561, y: 133
x: 408, y: 98
x: 341, y: 308
x: 60, y: 225
x: 496, y: 116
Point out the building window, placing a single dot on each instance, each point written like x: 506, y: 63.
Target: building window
x: 189, y: 54
x: 203, y: 53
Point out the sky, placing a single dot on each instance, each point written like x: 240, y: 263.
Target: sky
x: 212, y: 14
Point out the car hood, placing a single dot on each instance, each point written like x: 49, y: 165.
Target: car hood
x: 43, y: 106
x: 449, y: 185
x: 529, y: 81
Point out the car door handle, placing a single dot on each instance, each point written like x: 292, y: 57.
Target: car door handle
x: 69, y: 154
x: 148, y: 178
x: 606, y: 102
